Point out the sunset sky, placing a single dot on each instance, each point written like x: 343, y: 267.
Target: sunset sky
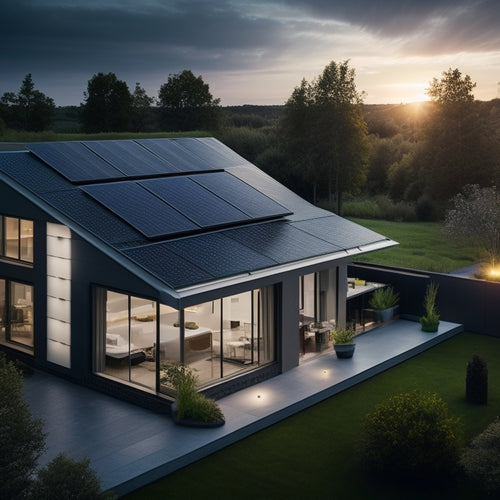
x: 249, y: 51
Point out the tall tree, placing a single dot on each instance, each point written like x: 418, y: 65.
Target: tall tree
x: 458, y: 149
x: 29, y: 109
x: 107, y: 106
x: 186, y: 103
x: 298, y: 137
x: 328, y: 115
x: 142, y: 113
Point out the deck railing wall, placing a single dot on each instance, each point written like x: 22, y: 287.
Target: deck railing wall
x: 470, y: 302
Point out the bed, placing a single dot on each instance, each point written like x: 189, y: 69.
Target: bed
x: 143, y: 337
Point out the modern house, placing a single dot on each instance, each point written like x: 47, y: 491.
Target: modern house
x: 117, y: 256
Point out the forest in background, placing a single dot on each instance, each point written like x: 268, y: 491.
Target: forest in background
x: 402, y: 162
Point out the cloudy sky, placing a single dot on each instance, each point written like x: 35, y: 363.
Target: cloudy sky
x: 249, y: 51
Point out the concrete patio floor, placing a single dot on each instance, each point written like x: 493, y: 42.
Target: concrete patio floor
x: 130, y: 447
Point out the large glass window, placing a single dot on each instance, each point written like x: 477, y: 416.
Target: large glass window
x: 318, y: 311
x: 16, y: 314
x: 16, y: 239
x: 217, y: 339
x: 130, y: 336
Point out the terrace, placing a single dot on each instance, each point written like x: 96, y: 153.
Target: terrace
x: 130, y: 446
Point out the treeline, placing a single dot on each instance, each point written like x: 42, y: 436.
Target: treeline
x: 400, y: 162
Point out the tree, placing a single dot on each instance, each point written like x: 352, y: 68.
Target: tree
x: 186, y: 103
x: 108, y: 105
x: 458, y: 145
x: 29, y: 109
x: 475, y: 219
x: 298, y: 136
x: 22, y: 438
x: 142, y: 118
x: 325, y: 120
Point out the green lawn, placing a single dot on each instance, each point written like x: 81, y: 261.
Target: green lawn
x: 422, y: 245
x: 313, y: 454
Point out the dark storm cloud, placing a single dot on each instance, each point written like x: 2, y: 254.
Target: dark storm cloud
x: 91, y: 36
x: 434, y: 26
x: 64, y: 42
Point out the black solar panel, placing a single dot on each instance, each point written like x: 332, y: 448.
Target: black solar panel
x: 222, y: 149
x: 74, y: 161
x: 339, y: 231
x: 218, y: 255
x: 168, y: 266
x: 141, y: 209
x: 89, y: 214
x: 194, y: 201
x: 175, y: 154
x: 281, y: 241
x: 241, y: 195
x: 214, y: 158
x: 130, y: 158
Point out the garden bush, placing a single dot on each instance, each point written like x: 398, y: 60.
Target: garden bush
x: 476, y: 381
x: 68, y: 479
x: 191, y: 405
x: 411, y: 435
x: 481, y: 459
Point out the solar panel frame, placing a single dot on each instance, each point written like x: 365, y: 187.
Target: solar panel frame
x: 195, y: 202
x: 141, y: 209
x: 74, y: 161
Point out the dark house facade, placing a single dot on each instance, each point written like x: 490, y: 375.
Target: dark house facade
x: 119, y: 256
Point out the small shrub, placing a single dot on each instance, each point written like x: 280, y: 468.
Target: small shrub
x: 430, y: 319
x: 68, y: 479
x: 190, y: 404
x: 342, y: 336
x: 481, y: 459
x: 383, y: 298
x: 411, y: 435
x: 476, y: 381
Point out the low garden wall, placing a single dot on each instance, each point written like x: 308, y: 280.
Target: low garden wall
x: 470, y: 302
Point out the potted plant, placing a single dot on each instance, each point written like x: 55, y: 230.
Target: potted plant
x: 430, y: 320
x: 383, y: 301
x: 343, y: 343
x: 190, y: 408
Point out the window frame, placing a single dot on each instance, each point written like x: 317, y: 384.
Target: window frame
x: 3, y: 240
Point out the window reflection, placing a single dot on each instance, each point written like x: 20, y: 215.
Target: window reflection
x: 16, y: 314
x: 16, y: 239
x: 216, y: 339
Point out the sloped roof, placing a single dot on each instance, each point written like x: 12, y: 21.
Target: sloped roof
x: 188, y: 211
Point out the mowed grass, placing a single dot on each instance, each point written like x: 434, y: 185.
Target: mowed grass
x: 314, y: 454
x: 422, y: 245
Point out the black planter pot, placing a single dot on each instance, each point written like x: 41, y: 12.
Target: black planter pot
x: 344, y: 351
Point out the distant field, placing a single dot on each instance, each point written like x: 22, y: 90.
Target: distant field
x: 422, y: 245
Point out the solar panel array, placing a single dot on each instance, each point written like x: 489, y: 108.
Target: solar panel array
x: 141, y: 209
x: 186, y: 210
x: 91, y: 161
x: 169, y: 206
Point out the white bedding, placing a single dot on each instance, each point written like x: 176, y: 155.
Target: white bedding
x: 143, y: 336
